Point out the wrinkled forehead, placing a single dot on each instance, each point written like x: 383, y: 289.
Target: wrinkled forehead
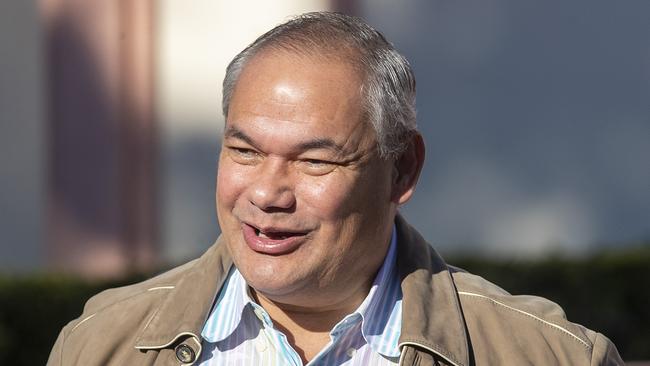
x: 326, y: 74
x: 300, y: 82
x: 324, y: 51
x: 299, y: 94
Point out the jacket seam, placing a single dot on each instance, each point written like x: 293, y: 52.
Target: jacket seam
x: 591, y: 355
x: 431, y: 348
x: 111, y: 305
x: 533, y: 316
x: 82, y: 321
x: 160, y: 288
x: 62, y: 348
x: 155, y: 347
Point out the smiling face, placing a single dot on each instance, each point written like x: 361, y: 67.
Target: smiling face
x: 304, y: 201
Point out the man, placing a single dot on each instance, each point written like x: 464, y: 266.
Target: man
x: 314, y: 265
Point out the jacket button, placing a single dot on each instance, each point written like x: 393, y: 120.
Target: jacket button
x: 185, y: 353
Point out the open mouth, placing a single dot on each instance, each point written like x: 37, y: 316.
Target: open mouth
x: 273, y: 241
x: 275, y: 235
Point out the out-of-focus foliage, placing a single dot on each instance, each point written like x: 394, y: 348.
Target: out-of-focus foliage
x: 608, y: 292
x: 34, y: 309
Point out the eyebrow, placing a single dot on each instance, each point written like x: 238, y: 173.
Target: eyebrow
x: 234, y: 132
x: 315, y: 144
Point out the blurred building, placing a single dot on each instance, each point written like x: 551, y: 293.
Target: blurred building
x: 110, y: 127
x: 536, y: 119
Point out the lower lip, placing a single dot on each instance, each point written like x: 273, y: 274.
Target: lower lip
x: 270, y: 246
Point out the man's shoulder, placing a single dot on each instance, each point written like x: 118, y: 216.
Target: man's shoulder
x: 484, y: 297
x: 111, y: 320
x: 522, y: 323
x: 166, y: 280
x: 138, y: 301
x: 484, y: 321
x: 122, y: 323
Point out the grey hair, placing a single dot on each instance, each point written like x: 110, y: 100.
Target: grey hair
x: 389, y: 84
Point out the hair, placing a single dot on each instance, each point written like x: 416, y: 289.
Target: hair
x: 388, y: 87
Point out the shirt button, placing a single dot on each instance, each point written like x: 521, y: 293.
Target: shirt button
x: 185, y: 353
x: 350, y: 352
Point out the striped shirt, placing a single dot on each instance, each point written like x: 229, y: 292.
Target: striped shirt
x: 240, y: 332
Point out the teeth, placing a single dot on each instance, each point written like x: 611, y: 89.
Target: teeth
x: 276, y: 237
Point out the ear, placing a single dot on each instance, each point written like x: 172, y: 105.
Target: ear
x: 406, y: 170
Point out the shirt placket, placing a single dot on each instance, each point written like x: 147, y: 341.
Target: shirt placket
x: 276, y: 340
x: 341, y: 331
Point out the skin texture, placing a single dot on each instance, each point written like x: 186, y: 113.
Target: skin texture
x: 299, y: 162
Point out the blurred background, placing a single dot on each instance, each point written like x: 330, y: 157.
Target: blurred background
x: 536, y: 117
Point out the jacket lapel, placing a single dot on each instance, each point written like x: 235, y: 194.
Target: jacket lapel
x: 185, y: 309
x: 432, y: 318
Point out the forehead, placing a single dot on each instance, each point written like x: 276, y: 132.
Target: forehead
x: 282, y: 90
x: 278, y: 75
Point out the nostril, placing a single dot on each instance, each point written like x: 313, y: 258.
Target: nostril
x: 277, y: 209
x: 273, y: 188
x: 269, y: 201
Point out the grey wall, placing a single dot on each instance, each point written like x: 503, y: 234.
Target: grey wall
x: 536, y: 117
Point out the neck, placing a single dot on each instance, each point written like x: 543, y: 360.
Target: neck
x: 307, y: 327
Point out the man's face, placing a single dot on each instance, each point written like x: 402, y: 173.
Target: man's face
x: 303, y: 199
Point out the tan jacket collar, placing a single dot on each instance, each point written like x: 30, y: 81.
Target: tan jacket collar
x: 431, y: 313
x: 185, y: 310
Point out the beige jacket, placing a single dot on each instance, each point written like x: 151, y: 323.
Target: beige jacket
x: 450, y: 317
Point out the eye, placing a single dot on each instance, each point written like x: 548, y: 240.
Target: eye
x: 316, y: 162
x: 243, y: 155
x: 317, y: 166
x: 243, y: 151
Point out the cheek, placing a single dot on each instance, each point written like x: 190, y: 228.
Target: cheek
x: 329, y: 197
x: 231, y: 181
x: 339, y: 197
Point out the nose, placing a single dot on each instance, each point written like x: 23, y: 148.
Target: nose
x: 272, y: 189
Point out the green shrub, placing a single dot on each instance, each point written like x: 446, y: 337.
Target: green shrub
x: 33, y: 310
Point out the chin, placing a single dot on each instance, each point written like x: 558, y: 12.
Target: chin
x: 277, y: 288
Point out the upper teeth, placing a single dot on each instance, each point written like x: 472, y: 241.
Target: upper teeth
x: 277, y: 237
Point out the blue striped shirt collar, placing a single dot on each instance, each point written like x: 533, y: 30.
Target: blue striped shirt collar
x: 380, y: 312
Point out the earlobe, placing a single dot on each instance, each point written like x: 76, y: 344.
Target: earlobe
x: 406, y: 170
